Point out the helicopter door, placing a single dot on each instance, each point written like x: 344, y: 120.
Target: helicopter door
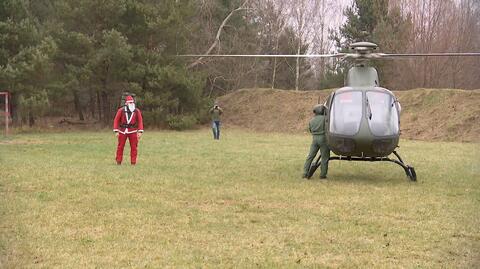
x: 383, y: 113
x: 346, y: 113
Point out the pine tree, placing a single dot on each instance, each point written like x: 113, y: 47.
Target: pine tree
x: 374, y: 21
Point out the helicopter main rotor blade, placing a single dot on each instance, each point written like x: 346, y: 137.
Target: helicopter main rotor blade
x: 447, y: 54
x: 265, y: 55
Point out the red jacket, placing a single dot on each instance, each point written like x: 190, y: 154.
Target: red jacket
x: 127, y: 125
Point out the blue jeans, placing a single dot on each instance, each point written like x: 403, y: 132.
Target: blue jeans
x: 216, y: 129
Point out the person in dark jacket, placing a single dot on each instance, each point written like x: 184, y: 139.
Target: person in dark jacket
x: 216, y: 112
x: 316, y: 127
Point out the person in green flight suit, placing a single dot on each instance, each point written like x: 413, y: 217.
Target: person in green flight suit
x: 319, y: 142
x: 216, y: 111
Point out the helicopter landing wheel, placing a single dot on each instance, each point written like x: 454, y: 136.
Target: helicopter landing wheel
x: 411, y: 174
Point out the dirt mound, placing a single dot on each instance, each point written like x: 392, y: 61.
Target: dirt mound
x: 428, y: 114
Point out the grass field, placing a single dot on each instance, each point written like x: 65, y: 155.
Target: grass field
x: 238, y: 202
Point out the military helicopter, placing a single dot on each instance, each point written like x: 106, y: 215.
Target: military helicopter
x: 362, y: 118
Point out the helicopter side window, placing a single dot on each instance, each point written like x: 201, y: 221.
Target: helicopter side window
x: 346, y: 113
x: 383, y: 116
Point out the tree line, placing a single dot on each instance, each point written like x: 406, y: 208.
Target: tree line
x: 77, y: 57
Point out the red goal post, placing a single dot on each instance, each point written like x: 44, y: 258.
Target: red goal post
x: 5, y: 109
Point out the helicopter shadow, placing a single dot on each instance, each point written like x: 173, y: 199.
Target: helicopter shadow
x: 367, y: 174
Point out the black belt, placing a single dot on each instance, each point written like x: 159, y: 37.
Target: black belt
x: 128, y: 125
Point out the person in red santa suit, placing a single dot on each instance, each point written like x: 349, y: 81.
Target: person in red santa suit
x: 128, y: 123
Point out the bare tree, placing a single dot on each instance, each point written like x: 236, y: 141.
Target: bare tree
x: 328, y: 17
x: 311, y: 20
x: 443, y: 26
x: 219, y: 33
x: 273, y: 18
x: 302, y: 13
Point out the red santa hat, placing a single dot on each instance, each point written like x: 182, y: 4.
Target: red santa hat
x: 129, y: 99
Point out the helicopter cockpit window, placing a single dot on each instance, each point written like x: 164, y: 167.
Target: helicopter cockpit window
x: 383, y: 118
x: 346, y: 113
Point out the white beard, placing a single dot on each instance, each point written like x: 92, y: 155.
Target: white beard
x: 131, y: 107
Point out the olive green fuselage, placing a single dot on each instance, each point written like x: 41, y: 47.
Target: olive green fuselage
x: 363, y: 119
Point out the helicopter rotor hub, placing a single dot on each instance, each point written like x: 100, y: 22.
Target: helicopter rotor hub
x: 363, y: 51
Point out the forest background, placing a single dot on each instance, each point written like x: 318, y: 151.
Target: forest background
x: 75, y: 58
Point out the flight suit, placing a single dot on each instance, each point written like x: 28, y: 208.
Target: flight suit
x: 319, y: 142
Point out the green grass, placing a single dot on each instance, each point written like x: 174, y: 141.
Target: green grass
x: 238, y: 202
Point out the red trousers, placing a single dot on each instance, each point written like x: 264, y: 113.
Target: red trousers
x: 122, y: 139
